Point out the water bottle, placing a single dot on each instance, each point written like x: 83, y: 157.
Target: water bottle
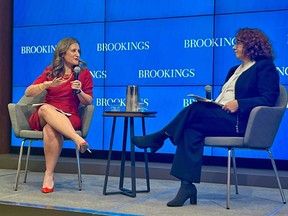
x: 132, y: 95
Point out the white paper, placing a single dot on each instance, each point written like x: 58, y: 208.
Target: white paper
x: 202, y: 99
x: 59, y: 110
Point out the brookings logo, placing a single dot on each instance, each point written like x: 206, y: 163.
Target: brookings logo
x: 167, y: 73
x: 209, y: 42
x: 103, y: 102
x: 123, y: 46
x: 98, y: 74
x: 37, y: 49
x: 283, y: 70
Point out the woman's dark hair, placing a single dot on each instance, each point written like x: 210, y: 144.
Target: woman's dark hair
x: 256, y: 44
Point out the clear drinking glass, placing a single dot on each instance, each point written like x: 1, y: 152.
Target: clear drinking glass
x: 141, y: 107
x: 115, y: 107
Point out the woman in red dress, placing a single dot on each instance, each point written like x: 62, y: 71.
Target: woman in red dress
x: 59, y: 81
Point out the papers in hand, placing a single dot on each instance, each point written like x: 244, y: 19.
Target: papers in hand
x: 59, y: 110
x: 202, y: 99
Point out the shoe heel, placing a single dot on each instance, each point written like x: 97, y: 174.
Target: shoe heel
x: 89, y: 150
x: 154, y: 149
x: 193, y: 199
x: 84, y: 147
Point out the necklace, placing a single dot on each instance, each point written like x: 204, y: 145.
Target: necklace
x: 66, y: 76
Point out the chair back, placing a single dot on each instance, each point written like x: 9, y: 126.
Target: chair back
x: 264, y: 123
x: 21, y: 111
x: 86, y: 114
x: 24, y: 100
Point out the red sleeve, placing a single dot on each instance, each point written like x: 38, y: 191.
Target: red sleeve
x: 87, y: 83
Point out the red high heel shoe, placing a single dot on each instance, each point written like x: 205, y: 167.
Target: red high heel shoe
x: 83, y: 147
x: 47, y: 189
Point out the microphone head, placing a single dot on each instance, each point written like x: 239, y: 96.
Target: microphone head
x: 77, y: 69
x: 208, y: 88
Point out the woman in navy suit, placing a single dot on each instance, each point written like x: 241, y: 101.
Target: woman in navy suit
x: 255, y: 82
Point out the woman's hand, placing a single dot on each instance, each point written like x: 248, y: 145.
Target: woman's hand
x: 55, y: 82
x: 36, y: 89
x: 76, y: 84
x: 231, y: 106
x: 84, y: 98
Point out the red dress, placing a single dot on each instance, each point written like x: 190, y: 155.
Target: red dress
x: 63, y: 98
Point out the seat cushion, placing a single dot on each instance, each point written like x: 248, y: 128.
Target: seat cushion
x: 224, y: 141
x: 31, y: 134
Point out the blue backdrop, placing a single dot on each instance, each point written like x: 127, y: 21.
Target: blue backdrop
x: 168, y: 48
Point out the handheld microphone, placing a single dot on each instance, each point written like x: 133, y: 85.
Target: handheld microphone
x: 77, y: 70
x: 208, y: 89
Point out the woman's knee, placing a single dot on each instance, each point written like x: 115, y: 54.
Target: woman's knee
x: 45, y: 110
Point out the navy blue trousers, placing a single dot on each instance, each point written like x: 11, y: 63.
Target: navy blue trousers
x: 188, y: 130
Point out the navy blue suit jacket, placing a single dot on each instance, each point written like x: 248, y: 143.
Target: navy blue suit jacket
x: 257, y: 86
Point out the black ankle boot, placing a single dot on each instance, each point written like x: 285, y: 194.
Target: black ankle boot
x: 185, y: 192
x: 153, y: 141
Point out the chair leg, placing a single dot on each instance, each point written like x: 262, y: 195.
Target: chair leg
x: 235, y: 170
x: 27, y: 160
x: 19, y: 165
x: 228, y: 179
x: 277, y: 176
x: 79, y: 170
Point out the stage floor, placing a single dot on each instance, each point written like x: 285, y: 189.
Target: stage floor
x: 66, y: 197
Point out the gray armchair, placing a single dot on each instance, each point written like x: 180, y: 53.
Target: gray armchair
x: 19, y: 115
x: 260, y: 133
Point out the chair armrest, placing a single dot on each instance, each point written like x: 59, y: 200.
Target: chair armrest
x: 19, y: 115
x: 262, y: 126
x: 86, y: 117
